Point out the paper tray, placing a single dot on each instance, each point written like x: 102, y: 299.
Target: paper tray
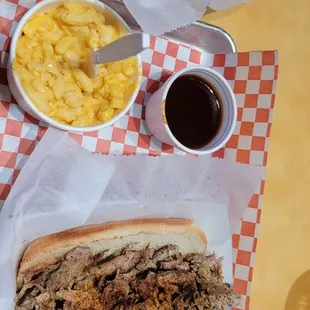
x: 199, y: 35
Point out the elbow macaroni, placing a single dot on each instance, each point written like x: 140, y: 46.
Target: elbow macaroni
x: 51, y: 56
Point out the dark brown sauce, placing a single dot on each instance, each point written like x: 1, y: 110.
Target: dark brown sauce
x: 193, y: 111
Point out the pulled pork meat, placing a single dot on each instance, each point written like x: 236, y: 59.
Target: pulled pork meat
x: 128, y: 279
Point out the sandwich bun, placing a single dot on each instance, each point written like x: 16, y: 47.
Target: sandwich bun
x: 113, y: 236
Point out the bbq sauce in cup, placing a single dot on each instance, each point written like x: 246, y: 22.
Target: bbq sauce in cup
x: 193, y: 111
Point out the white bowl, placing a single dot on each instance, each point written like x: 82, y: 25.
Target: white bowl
x: 17, y: 89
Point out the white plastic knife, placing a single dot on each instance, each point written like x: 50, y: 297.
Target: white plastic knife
x: 122, y: 48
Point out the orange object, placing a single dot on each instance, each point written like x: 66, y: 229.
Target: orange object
x: 281, y: 277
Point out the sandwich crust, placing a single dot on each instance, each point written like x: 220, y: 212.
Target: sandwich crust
x: 111, y: 236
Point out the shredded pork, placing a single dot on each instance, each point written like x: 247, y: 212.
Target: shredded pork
x: 128, y: 280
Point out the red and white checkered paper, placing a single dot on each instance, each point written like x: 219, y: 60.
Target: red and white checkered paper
x: 252, y: 76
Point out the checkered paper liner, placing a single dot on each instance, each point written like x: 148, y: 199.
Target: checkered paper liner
x: 252, y: 76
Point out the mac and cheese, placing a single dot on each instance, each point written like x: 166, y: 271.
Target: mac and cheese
x: 52, y: 55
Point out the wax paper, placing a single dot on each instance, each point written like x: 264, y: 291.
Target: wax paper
x: 160, y: 16
x: 62, y: 186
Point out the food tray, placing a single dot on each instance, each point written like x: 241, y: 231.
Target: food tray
x: 252, y: 76
x: 202, y: 36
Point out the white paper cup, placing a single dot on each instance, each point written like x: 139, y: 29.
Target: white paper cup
x: 156, y: 117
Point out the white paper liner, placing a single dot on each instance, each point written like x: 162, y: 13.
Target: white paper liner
x: 62, y: 185
x: 160, y: 16
x: 224, y: 4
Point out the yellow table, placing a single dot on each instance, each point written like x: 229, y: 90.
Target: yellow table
x: 281, y: 280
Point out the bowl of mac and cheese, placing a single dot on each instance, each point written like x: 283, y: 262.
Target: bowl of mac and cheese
x: 49, y: 61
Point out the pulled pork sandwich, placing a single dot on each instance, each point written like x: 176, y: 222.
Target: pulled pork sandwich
x: 136, y: 264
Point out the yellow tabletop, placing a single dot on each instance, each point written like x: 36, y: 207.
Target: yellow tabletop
x: 281, y: 280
